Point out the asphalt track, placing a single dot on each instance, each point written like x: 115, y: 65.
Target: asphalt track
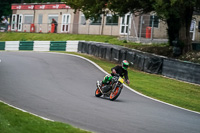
x: 61, y: 87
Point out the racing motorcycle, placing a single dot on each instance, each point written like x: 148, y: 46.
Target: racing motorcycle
x: 111, y: 90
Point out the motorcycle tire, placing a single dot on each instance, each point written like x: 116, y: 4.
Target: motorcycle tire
x: 98, y: 93
x: 115, y: 94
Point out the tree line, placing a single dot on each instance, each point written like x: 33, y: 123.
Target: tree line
x: 178, y: 14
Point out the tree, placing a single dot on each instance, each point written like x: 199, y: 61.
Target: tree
x: 90, y: 8
x: 93, y: 8
x: 5, y: 5
x: 177, y: 14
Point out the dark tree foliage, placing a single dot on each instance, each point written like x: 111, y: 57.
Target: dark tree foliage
x: 177, y: 13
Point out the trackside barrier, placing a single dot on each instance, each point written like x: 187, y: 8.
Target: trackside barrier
x: 153, y: 64
x: 58, y: 45
x: 2, y: 45
x: 108, y: 53
x: 130, y: 55
x: 26, y: 45
x: 41, y: 46
x: 84, y: 47
x: 69, y: 46
x: 72, y: 46
x: 185, y: 71
x: 115, y: 54
x: 150, y: 63
x: 123, y: 55
x: 95, y: 48
x: 143, y: 61
x: 102, y: 51
x: 12, y: 45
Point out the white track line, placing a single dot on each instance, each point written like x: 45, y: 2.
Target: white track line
x: 131, y: 88
x: 105, y: 73
x: 44, y: 118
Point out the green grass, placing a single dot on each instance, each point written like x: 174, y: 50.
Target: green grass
x: 12, y: 36
x: 15, y: 121
x: 168, y: 90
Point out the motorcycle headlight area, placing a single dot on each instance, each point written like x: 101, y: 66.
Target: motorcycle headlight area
x: 114, y: 79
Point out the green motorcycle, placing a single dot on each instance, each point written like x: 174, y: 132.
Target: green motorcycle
x: 112, y: 89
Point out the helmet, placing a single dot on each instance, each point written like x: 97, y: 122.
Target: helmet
x: 125, y: 64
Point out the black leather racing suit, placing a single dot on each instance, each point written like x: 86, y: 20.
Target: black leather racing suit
x: 122, y: 72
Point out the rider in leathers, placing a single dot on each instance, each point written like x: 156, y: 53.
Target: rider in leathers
x: 119, y: 69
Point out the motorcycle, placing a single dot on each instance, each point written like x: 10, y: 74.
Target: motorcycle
x: 112, y: 90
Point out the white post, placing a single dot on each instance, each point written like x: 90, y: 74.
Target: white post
x: 135, y: 29
x: 152, y: 27
x: 141, y: 22
x: 129, y: 26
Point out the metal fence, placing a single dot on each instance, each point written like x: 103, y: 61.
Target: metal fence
x: 145, y: 28
x: 72, y: 28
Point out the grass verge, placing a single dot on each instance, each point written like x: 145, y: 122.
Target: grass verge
x: 12, y: 36
x: 15, y: 121
x: 168, y: 90
x: 156, y: 86
x: 159, y: 49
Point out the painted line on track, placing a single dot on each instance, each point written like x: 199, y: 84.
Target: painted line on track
x: 131, y: 88
x: 44, y: 118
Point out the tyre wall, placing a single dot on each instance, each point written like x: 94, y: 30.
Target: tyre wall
x: 142, y: 61
x: 180, y: 70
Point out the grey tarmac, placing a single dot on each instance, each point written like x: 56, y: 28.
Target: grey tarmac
x: 61, y: 87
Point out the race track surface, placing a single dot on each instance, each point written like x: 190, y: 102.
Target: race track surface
x: 61, y: 87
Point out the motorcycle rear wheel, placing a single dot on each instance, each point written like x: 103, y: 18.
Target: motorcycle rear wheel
x: 115, y: 94
x: 98, y: 93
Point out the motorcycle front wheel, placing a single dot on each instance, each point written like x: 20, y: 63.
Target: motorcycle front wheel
x: 98, y: 93
x: 115, y: 94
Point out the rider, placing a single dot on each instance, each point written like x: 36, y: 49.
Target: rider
x: 119, y: 69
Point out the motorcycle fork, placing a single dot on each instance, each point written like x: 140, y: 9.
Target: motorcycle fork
x: 113, y: 90
x: 98, y: 86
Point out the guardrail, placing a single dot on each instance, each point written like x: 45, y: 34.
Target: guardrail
x: 70, y: 46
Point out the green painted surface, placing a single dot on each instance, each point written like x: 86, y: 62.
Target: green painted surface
x: 2, y: 45
x: 58, y: 46
x: 26, y: 45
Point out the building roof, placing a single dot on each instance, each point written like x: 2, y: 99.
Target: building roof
x: 39, y: 6
x: 38, y: 3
